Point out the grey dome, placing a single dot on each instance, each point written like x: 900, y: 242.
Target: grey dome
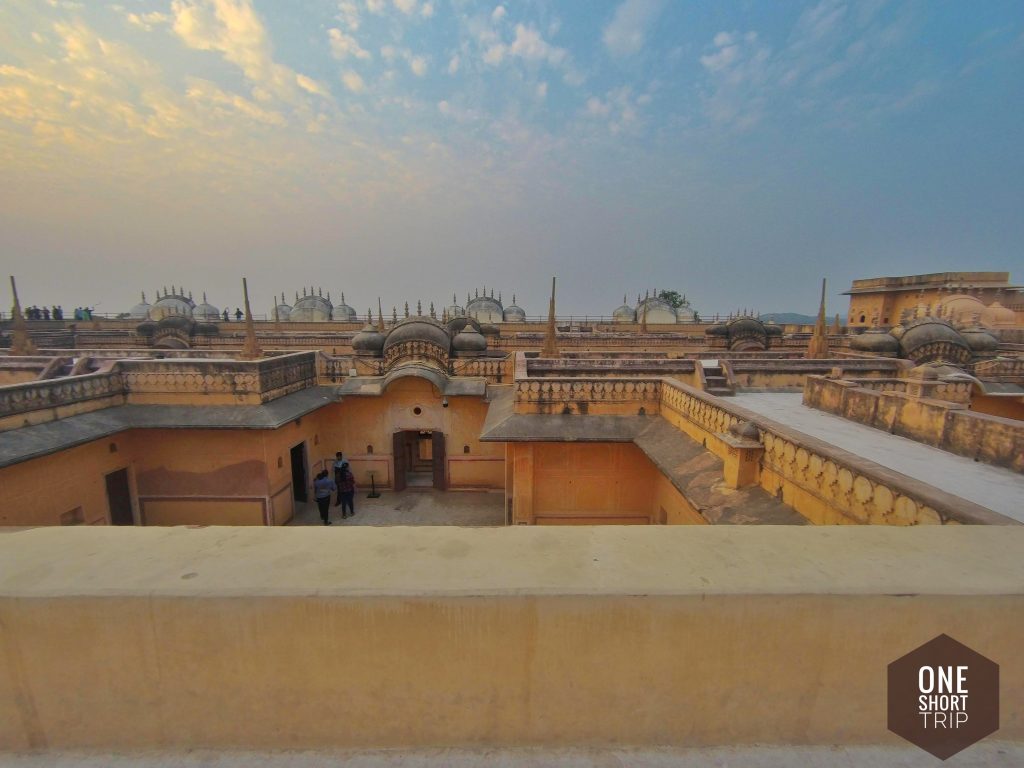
x: 343, y: 312
x: 311, y: 309
x: 875, y: 340
x: 368, y: 341
x: 206, y: 311
x: 624, y: 314
x: 419, y: 328
x: 514, y: 314
x: 980, y: 340
x: 931, y: 339
x: 485, y: 308
x: 656, y: 310
x: 469, y: 340
x: 171, y: 304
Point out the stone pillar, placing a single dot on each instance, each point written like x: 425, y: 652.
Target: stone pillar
x: 743, y: 460
x: 21, y: 343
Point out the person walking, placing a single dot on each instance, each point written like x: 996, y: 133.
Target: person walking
x: 323, y: 487
x: 238, y: 315
x: 347, y: 491
x: 339, y: 462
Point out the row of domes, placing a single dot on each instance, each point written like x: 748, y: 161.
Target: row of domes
x: 653, y: 309
x: 928, y: 338
x: 460, y: 335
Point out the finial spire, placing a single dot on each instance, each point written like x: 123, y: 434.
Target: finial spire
x: 407, y: 309
x: 550, y: 348
x: 419, y: 308
x: 380, y: 317
x: 817, y: 347
x: 143, y: 297
x: 251, y: 349
x: 433, y: 314
x: 21, y: 342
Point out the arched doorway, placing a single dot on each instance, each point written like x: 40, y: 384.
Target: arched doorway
x: 419, y: 457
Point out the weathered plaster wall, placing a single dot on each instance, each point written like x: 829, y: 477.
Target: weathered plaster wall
x: 591, y: 483
x: 359, y: 423
x: 38, y: 492
x: 230, y: 638
x: 950, y: 426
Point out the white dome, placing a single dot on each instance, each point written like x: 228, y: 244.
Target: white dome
x: 171, y: 304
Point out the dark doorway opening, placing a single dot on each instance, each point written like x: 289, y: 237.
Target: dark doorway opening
x: 119, y: 498
x: 419, y: 460
x: 299, y: 472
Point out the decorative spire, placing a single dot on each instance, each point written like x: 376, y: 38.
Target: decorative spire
x: 837, y: 327
x: 433, y: 314
x: 407, y: 309
x: 342, y: 296
x: 251, y: 349
x: 320, y: 292
x: 394, y: 314
x: 643, y: 314
x: 499, y: 297
x: 328, y: 297
x: 419, y: 308
x: 455, y: 301
x: 513, y: 298
x: 204, y: 297
x: 624, y: 299
x: 817, y: 347
x: 143, y: 297
x: 467, y: 298
x: 492, y: 293
x: 21, y: 343
x: 369, y: 317
x: 550, y: 348
x: 476, y: 293
x: 297, y: 295
x: 380, y: 317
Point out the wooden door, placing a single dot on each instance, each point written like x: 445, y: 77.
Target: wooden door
x: 440, y: 482
x: 398, y: 451
x: 119, y: 498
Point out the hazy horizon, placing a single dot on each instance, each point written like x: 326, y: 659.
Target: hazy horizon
x: 736, y: 152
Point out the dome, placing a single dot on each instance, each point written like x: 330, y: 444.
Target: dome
x: 624, y: 314
x: 486, y: 309
x: 995, y: 315
x: 171, y: 304
x: 141, y: 310
x: 311, y: 308
x: 469, y: 340
x: 343, y: 312
x: 960, y: 309
x: 419, y: 328
x: 979, y: 340
x: 876, y: 340
x: 656, y: 310
x: 931, y: 339
x: 514, y: 314
x: 206, y: 311
x: 369, y: 341
x: 453, y: 309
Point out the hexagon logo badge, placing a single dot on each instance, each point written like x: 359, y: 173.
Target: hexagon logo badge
x: 943, y: 697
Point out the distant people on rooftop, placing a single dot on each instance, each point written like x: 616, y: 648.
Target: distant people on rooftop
x: 226, y: 318
x: 238, y: 314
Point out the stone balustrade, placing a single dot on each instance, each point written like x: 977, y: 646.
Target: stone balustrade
x: 416, y: 351
x: 26, y: 397
x: 615, y: 395
x: 1009, y: 370
x: 824, y: 483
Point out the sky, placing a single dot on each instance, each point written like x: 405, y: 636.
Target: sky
x: 737, y: 152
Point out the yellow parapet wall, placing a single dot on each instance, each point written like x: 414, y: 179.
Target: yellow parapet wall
x: 264, y: 638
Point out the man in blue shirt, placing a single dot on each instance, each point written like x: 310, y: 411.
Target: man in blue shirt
x: 323, y: 487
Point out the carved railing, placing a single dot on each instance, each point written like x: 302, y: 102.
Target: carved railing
x: 1001, y: 370
x: 51, y: 393
x: 588, y: 390
x: 416, y: 351
x: 854, y: 489
x: 495, y: 370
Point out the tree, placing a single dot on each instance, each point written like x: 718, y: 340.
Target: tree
x: 671, y: 297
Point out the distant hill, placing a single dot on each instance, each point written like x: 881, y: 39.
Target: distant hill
x: 795, y: 318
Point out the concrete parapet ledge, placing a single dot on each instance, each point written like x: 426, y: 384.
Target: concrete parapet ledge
x: 284, y: 639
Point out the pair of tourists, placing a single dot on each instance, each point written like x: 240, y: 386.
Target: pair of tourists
x: 346, y: 485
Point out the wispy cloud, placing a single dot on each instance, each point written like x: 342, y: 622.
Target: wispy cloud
x: 627, y: 32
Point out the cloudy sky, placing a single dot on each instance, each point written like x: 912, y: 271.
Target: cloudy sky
x: 734, y: 151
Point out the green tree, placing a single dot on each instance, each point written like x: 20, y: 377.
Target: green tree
x: 671, y: 297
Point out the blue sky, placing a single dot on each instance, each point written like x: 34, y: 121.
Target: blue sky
x: 737, y: 152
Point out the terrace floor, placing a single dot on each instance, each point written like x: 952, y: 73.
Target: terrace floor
x: 423, y: 506
x: 996, y: 488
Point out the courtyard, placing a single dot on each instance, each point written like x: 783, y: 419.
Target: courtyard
x: 421, y: 506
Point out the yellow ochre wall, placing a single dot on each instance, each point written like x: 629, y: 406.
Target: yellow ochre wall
x: 592, y: 484
x: 38, y: 492
x: 359, y: 423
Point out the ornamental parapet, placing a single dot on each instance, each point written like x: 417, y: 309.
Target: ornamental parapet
x: 606, y: 395
x: 31, y: 396
x: 822, y: 482
x: 416, y: 351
